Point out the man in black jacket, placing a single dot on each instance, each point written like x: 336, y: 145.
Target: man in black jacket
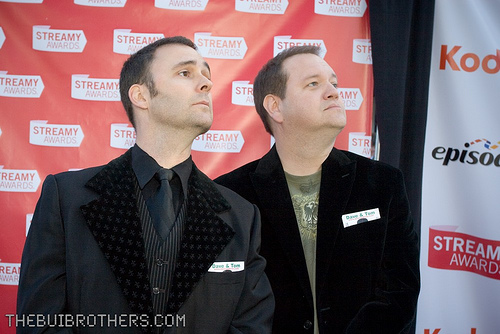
x: 337, y: 231
x: 99, y: 258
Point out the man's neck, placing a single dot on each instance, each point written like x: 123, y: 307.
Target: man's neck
x: 167, y: 154
x: 303, y: 157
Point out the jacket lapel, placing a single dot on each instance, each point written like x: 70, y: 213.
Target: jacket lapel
x: 275, y: 202
x: 337, y: 179
x: 115, y: 223
x: 205, y: 236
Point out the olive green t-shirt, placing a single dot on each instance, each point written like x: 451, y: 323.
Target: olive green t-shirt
x: 304, y: 191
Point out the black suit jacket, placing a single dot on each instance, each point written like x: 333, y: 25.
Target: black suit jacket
x: 367, y: 275
x: 85, y: 255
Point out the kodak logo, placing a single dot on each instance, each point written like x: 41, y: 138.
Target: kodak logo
x: 468, y: 62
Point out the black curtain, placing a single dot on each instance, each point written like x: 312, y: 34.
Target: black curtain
x: 401, y: 37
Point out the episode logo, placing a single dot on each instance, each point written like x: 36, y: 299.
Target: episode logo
x: 182, y: 4
x: 122, y: 136
x: 101, y: 3
x: 127, y: 42
x: 220, y: 47
x: 219, y: 141
x: 347, y: 8
x: 57, y: 135
x: 30, y: 86
x: 258, y: 7
x: 55, y: 40
x: 285, y: 42
x: 18, y: 180
x: 452, y: 250
x: 469, y: 155
x: 9, y: 273
x: 469, y: 61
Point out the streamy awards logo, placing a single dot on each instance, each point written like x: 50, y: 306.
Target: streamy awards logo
x: 220, y: 47
x: 182, y: 4
x: 23, y: 1
x: 29, y: 218
x: 362, y: 51
x: 285, y: 42
x: 19, y: 180
x: 30, y: 86
x: 219, y: 141
x: 127, y: 42
x: 451, y: 250
x: 2, y: 37
x: 346, y: 8
x: 360, y: 144
x: 261, y: 7
x: 9, y: 273
x: 352, y: 98
x: 122, y: 136
x: 94, y: 89
x: 242, y: 93
x: 480, y: 152
x: 57, y: 40
x: 101, y: 3
x: 56, y: 135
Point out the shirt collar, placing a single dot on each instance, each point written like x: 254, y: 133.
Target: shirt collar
x: 145, y: 167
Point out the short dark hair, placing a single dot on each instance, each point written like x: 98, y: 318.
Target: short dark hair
x: 136, y: 70
x: 271, y: 79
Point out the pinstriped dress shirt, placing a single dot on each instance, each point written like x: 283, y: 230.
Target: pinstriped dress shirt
x: 161, y: 254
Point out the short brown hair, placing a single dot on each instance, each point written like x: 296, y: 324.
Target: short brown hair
x: 136, y: 70
x: 271, y: 79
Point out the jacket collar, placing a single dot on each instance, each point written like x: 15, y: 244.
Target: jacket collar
x: 205, y: 236
x: 337, y: 178
x: 115, y: 222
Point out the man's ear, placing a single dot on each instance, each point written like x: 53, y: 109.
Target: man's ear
x: 272, y: 104
x: 138, y: 95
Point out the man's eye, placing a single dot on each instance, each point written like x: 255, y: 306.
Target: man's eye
x: 334, y: 84
x: 184, y: 73
x: 312, y: 84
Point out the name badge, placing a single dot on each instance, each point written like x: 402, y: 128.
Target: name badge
x: 219, y: 267
x: 364, y: 216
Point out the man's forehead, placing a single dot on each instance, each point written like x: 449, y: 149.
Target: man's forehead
x: 307, y: 65
x: 180, y: 53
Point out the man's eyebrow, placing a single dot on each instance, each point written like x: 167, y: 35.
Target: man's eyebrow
x: 190, y: 62
x: 313, y: 76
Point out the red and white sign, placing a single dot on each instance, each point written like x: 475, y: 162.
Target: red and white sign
x: 285, y: 42
x: 60, y: 64
x: 451, y: 250
x: 346, y: 8
x: 460, y: 235
x: 30, y: 86
x: 58, y: 40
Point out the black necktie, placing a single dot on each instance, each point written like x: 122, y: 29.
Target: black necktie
x: 163, y: 212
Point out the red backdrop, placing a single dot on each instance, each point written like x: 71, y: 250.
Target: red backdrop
x: 60, y: 64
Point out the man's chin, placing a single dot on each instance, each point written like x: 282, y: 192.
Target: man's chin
x: 203, y: 128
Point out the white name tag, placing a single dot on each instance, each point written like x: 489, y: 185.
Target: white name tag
x: 219, y: 267
x: 364, y: 216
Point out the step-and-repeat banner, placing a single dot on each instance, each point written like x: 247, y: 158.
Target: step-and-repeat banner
x: 60, y: 105
x: 461, y: 181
